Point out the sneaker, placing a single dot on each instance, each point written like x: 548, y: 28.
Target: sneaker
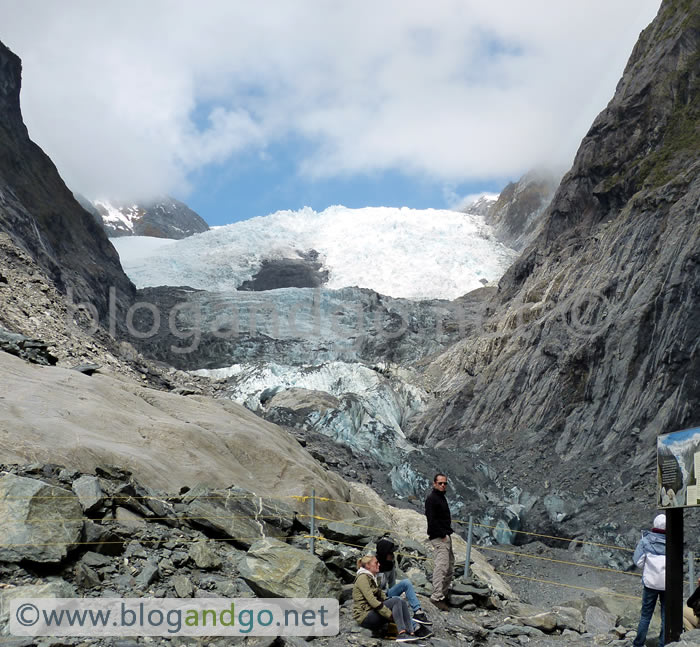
x: 423, y: 632
x: 440, y: 604
x: 406, y: 638
x: 421, y: 618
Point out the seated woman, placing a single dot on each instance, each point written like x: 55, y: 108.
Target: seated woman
x: 371, y: 608
x: 691, y: 610
x: 387, y: 581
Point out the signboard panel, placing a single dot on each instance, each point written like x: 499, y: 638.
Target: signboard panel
x: 678, y: 469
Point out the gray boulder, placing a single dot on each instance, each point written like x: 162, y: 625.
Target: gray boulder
x: 568, y: 618
x: 518, y: 630
x: 542, y: 621
x: 273, y: 569
x: 54, y: 589
x: 599, y: 621
x: 89, y: 492
x: 239, y: 514
x: 203, y: 555
x: 352, y: 531
x: 38, y: 522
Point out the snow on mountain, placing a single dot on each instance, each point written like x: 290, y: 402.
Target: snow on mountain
x: 408, y: 253
x: 480, y: 206
x: 163, y: 217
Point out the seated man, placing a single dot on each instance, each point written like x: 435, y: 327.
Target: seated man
x: 387, y: 580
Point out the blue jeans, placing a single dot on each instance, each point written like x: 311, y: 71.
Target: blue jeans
x: 648, y: 603
x: 405, y: 586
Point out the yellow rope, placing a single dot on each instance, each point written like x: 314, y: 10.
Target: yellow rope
x: 148, y: 541
x: 569, y: 586
x: 535, y: 534
x: 560, y: 561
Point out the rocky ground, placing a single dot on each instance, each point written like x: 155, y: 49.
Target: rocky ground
x: 111, y: 537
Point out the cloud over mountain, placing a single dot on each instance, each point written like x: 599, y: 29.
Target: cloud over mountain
x: 136, y: 98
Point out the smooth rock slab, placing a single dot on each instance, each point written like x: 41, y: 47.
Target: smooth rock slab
x: 38, y: 522
x: 273, y: 569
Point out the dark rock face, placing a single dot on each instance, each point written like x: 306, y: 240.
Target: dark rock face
x: 519, y: 208
x: 41, y: 216
x: 163, y: 217
x: 304, y: 272
x: 591, y: 347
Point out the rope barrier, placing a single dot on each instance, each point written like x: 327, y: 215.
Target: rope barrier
x: 174, y: 518
x: 505, y: 573
x: 328, y: 500
x: 361, y: 547
x: 560, y: 561
x: 350, y: 523
x: 304, y: 499
x: 152, y: 541
x: 568, y: 586
x: 535, y: 534
x: 178, y: 497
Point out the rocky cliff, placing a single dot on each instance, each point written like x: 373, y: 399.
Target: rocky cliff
x: 42, y: 217
x: 590, y: 346
x: 517, y: 212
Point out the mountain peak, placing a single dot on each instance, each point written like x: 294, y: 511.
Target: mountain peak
x: 10, y: 84
x: 159, y: 217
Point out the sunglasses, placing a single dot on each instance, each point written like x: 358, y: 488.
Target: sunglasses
x: 440, y: 482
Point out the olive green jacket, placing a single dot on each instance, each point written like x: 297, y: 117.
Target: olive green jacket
x: 366, y: 597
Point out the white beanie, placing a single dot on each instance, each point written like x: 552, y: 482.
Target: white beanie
x: 660, y: 521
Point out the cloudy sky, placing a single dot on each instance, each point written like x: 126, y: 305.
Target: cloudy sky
x: 243, y: 108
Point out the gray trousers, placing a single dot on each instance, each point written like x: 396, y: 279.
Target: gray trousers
x: 401, y: 613
x: 401, y: 616
x: 443, y: 565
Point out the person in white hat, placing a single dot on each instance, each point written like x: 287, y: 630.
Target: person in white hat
x: 650, y: 555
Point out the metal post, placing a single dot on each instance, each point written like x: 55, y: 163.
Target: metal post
x: 467, y: 561
x: 313, y: 520
x: 674, y: 574
x: 691, y: 572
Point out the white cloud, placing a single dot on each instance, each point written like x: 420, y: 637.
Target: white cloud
x: 130, y: 98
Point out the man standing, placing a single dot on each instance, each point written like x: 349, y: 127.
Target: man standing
x: 439, y: 533
x: 650, y: 555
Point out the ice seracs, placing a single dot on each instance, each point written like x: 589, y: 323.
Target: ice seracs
x: 410, y: 253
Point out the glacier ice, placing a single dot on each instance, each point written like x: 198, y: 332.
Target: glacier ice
x: 410, y: 253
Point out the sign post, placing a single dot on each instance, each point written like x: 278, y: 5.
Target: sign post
x: 678, y: 487
x: 674, y: 575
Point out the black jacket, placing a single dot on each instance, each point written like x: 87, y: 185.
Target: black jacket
x: 438, y: 513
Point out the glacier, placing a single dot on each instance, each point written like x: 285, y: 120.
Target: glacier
x: 334, y: 359
x: 399, y: 252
